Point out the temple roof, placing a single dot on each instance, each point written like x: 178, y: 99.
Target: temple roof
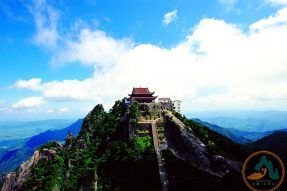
x: 142, y: 94
x: 144, y: 98
x: 141, y: 91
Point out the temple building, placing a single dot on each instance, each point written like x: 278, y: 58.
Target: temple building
x: 142, y: 95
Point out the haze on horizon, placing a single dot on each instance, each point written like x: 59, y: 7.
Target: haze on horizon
x: 59, y: 59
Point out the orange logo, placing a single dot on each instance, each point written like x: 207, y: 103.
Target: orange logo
x: 262, y: 171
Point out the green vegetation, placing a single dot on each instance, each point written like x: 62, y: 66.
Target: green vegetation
x: 49, y: 145
x: 134, y: 112
x: 142, y: 131
x: 150, y: 111
x: 143, y: 143
x: 102, y: 155
x: 215, y: 142
x: 160, y: 128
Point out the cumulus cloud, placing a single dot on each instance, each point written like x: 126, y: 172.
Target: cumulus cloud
x: 70, y: 90
x: 29, y: 102
x: 273, y: 21
x: 169, y: 17
x: 218, y: 66
x: 46, y: 20
x: 93, y: 48
x: 32, y: 84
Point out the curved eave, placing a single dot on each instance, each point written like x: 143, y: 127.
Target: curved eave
x: 144, y: 98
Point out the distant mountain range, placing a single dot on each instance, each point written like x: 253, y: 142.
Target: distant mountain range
x: 49, y: 135
x: 223, y: 131
x: 236, y: 135
x: 253, y: 135
x: 247, y: 124
x: 11, y: 130
x: 11, y: 158
x: 250, y: 121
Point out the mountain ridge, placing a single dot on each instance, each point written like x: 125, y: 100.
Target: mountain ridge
x: 275, y: 142
x: 104, y: 155
x: 224, y: 131
x: 12, y: 158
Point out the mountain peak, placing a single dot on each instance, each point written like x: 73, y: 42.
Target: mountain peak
x: 139, y: 143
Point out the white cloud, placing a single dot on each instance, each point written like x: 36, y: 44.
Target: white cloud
x: 279, y: 19
x: 66, y: 90
x: 241, y: 69
x: 32, y: 84
x: 46, y: 20
x: 169, y: 17
x: 64, y: 110
x: 29, y: 102
x: 93, y: 48
x: 70, y: 90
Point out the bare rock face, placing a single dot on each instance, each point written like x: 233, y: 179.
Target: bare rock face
x: 9, y: 182
x: 14, y: 180
x: 224, y: 165
x: 69, y: 139
x: 2, y: 179
x: 185, y: 145
x: 48, y: 154
x: 58, y: 146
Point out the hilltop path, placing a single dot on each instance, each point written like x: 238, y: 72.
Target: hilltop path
x: 162, y: 172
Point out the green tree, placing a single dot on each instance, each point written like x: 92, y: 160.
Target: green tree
x: 134, y: 112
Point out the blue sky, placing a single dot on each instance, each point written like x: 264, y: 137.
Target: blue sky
x: 60, y: 58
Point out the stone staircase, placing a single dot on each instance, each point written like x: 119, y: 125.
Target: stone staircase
x: 162, y: 172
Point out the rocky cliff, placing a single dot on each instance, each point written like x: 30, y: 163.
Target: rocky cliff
x: 185, y: 145
x: 14, y: 180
